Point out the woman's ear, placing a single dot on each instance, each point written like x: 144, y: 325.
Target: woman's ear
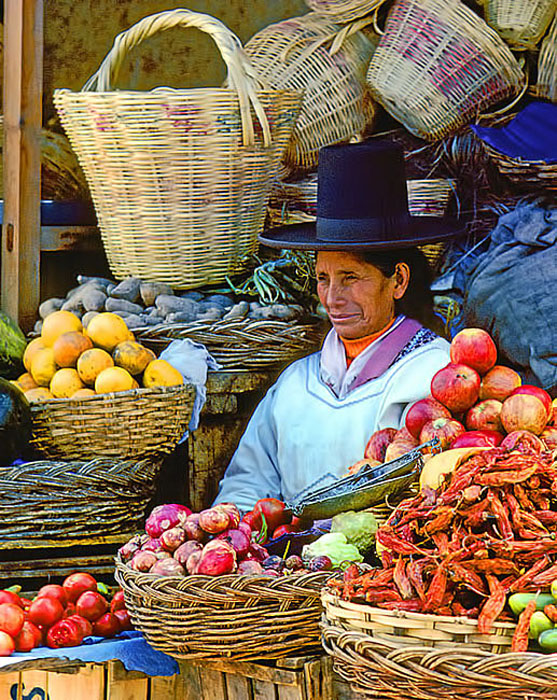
x: 402, y: 279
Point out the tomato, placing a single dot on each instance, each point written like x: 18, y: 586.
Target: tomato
x: 91, y: 605
x: 45, y: 611
x: 253, y: 520
x: 273, y: 511
x: 7, y: 644
x: 52, y: 590
x: 69, y: 610
x: 118, y: 602
x: 106, y: 626
x: 65, y: 633
x: 76, y: 584
x: 9, y: 597
x: 85, y: 625
x: 26, y: 603
x: 124, y: 619
x: 12, y: 618
x: 282, y: 530
x: 29, y: 637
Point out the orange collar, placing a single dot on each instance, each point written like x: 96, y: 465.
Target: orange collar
x: 354, y: 347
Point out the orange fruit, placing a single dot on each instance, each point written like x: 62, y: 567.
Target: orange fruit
x: 57, y: 323
x: 113, y: 379
x: 83, y: 393
x: 132, y: 356
x: 161, y: 373
x: 41, y: 393
x: 30, y: 351
x: 69, y: 346
x: 91, y: 363
x: 25, y: 382
x: 107, y: 330
x: 43, y: 366
x: 65, y: 383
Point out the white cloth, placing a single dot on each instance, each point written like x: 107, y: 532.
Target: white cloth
x: 301, y: 430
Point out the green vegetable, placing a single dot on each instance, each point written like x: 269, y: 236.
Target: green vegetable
x: 539, y: 623
x: 102, y: 588
x: 554, y: 589
x: 518, y: 601
x: 358, y: 527
x: 12, y: 347
x: 333, y: 545
x: 548, y: 640
x: 15, y: 422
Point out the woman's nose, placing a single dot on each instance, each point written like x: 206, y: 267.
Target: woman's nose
x: 334, y: 294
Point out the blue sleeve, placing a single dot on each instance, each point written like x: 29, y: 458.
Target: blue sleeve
x: 253, y: 471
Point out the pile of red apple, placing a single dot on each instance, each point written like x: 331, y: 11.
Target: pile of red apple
x: 213, y: 542
x: 60, y: 616
x: 473, y: 402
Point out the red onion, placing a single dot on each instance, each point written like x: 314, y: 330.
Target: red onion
x: 168, y: 567
x: 164, y: 517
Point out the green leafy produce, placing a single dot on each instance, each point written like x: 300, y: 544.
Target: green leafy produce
x: 12, y: 347
x: 15, y: 423
x: 359, y: 528
x: 333, y: 545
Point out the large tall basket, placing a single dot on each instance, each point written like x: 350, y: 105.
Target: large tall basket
x: 179, y: 177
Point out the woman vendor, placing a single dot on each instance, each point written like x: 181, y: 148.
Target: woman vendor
x: 378, y: 358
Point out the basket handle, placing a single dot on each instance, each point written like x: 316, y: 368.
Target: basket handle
x: 241, y: 76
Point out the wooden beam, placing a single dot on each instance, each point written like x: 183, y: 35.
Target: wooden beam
x: 23, y: 77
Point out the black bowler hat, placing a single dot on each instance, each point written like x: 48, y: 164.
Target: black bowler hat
x: 362, y: 204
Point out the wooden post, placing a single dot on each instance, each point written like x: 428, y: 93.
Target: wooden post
x: 21, y: 228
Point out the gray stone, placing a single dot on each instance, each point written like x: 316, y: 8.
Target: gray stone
x: 220, y: 300
x: 134, y: 321
x: 94, y: 300
x: 75, y: 305
x: 38, y: 326
x: 147, y: 320
x: 150, y: 291
x: 172, y: 304
x: 124, y: 305
x: 127, y: 289
x: 181, y: 317
x: 50, y: 305
x: 87, y: 317
x: 238, y: 311
x: 211, y: 314
x: 193, y: 295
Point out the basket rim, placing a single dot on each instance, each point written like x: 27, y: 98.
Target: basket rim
x: 138, y: 392
x: 164, y: 90
x: 243, y: 323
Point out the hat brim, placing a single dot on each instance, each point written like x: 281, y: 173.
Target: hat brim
x: 423, y: 230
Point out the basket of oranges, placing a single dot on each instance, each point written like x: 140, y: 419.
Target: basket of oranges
x: 97, y: 392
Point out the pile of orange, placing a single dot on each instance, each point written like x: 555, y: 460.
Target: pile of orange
x: 69, y: 361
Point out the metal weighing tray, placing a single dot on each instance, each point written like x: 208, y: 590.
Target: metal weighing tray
x: 366, y: 488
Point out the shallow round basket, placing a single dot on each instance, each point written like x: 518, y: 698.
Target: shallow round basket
x: 344, y: 10
x: 408, y: 629
x: 231, y: 616
x: 244, y: 343
x: 546, y: 87
x: 386, y: 670
x: 120, y: 425
x: 520, y: 24
x: 47, y: 500
x: 529, y: 173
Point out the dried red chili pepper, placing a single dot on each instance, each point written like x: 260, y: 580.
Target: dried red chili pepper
x: 527, y: 576
x: 546, y: 517
x: 441, y: 541
x: 520, y: 636
x: 391, y: 541
x: 498, y: 510
x: 441, y: 521
x: 406, y: 605
x: 493, y: 606
x: 401, y: 580
x: 551, y: 612
x: 545, y: 578
x: 522, y: 497
x: 436, y: 589
x: 494, y: 566
x: 414, y: 570
x: 499, y: 479
x: 470, y: 579
x: 382, y: 595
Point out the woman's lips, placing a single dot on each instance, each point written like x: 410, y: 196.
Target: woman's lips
x: 341, y: 318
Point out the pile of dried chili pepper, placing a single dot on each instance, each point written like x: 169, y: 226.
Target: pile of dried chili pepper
x: 490, y: 529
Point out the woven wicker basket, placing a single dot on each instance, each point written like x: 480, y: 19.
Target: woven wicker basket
x: 294, y: 54
x: 121, y: 425
x: 179, y: 179
x: 387, y: 671
x: 344, y: 10
x: 236, y: 617
x: 57, y: 500
x: 243, y: 344
x: 546, y: 86
x: 408, y: 629
x: 520, y: 24
x: 438, y: 65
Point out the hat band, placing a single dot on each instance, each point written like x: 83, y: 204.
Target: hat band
x: 365, y: 230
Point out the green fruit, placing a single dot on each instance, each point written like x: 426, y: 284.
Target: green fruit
x: 554, y: 588
x: 548, y: 640
x: 518, y: 601
x: 539, y: 622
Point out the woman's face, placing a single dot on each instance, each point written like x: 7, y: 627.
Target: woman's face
x: 358, y: 298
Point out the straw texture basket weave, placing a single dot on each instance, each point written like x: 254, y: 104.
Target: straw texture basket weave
x: 120, y: 425
x: 231, y: 616
x: 520, y: 24
x: 546, y: 86
x: 438, y: 65
x: 179, y: 177
x: 53, y: 500
x: 243, y: 344
x: 294, y: 54
x: 388, y: 671
x: 410, y: 629
x: 344, y: 10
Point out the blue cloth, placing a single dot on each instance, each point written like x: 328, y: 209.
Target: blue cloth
x: 128, y: 647
x: 531, y: 135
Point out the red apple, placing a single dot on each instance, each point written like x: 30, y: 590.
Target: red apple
x: 456, y: 386
x: 475, y: 348
x: 378, y: 443
x: 541, y: 394
x: 549, y: 436
x: 485, y: 415
x: 423, y: 411
x: 478, y: 438
x: 499, y: 382
x: 523, y: 412
x: 447, y: 430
